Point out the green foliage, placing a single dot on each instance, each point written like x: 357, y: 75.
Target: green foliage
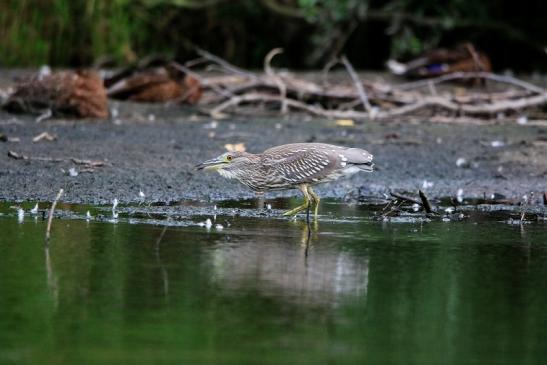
x: 417, y: 25
x: 64, y: 32
x: 78, y: 32
x: 334, y: 21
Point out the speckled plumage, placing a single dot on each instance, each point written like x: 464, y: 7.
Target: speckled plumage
x: 296, y: 165
x: 290, y: 165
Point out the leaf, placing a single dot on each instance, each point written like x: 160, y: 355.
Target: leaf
x: 236, y: 147
x: 345, y: 122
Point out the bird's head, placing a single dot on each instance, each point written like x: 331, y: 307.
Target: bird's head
x: 227, y: 162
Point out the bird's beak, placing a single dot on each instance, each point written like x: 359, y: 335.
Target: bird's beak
x: 212, y: 164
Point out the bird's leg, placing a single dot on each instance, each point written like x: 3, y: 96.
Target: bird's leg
x: 315, y: 198
x: 260, y: 199
x: 298, y: 209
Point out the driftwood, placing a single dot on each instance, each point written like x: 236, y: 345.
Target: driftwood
x: 358, y: 98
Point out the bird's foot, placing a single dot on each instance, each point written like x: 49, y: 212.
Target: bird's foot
x: 296, y: 210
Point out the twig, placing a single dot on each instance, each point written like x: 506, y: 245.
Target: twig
x: 20, y: 156
x: 225, y: 64
x: 524, y: 206
x: 259, y: 97
x: 405, y: 198
x: 326, y: 69
x: 50, y: 218
x: 432, y: 88
x: 195, y: 62
x: 492, y: 108
x: 89, y: 163
x: 17, y: 156
x: 44, y: 135
x: 392, y: 208
x: 479, y: 65
x: 280, y: 84
x: 45, y: 115
x: 202, y: 80
x: 77, y: 161
x: 357, y: 82
x: 471, y: 75
x: 425, y: 202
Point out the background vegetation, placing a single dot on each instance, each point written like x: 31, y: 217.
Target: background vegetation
x: 80, y: 32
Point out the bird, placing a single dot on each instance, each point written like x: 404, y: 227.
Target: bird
x: 295, y: 165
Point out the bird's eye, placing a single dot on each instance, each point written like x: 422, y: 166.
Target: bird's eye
x: 229, y: 158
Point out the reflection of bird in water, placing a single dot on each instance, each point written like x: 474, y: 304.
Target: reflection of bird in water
x: 289, y: 268
x: 306, y: 241
x: 75, y: 93
x: 297, y: 165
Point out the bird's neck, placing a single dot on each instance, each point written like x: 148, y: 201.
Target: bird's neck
x: 251, y: 174
x: 251, y: 168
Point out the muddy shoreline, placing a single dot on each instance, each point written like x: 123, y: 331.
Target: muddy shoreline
x: 152, y: 149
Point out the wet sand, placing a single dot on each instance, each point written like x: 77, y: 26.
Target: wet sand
x: 153, y: 148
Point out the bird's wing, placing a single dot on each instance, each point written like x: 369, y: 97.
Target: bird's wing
x: 313, y: 162
x: 301, y: 165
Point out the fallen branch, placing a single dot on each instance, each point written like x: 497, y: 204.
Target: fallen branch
x: 432, y: 101
x: 492, y: 108
x: 471, y: 75
x: 50, y: 217
x: 77, y: 161
x: 343, y: 100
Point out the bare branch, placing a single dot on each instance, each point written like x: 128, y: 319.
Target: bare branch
x: 225, y: 64
x: 339, y: 100
x: 203, y: 81
x: 357, y: 82
x: 471, y: 75
x: 271, y: 73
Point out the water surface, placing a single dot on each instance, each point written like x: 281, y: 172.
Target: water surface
x: 266, y: 290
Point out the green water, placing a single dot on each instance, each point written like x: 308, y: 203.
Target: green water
x: 358, y: 291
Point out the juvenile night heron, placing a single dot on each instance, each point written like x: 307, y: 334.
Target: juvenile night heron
x: 296, y: 165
